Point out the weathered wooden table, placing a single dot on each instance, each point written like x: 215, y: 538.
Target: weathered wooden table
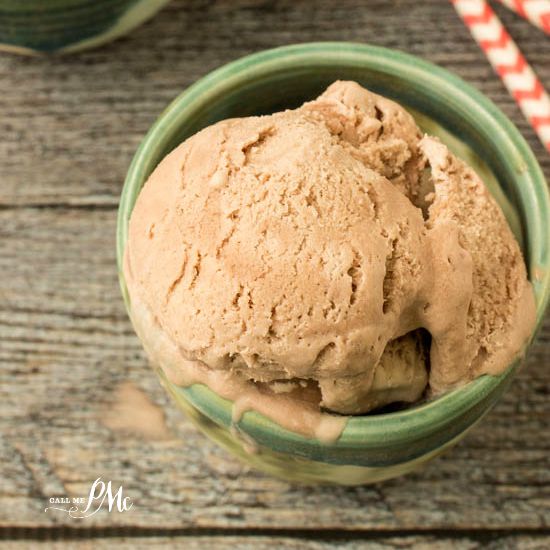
x: 77, y: 398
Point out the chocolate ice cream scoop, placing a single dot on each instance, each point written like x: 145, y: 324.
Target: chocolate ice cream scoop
x: 329, y: 247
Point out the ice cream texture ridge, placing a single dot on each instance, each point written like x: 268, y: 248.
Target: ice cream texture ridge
x: 324, y: 261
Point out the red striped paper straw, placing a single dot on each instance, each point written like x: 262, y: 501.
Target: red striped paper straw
x: 535, y: 11
x: 509, y: 63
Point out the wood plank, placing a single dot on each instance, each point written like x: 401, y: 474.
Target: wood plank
x: 72, y: 370
x: 499, y: 542
x: 68, y: 354
x: 70, y: 126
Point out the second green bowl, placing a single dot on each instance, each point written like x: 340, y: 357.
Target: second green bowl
x: 63, y: 26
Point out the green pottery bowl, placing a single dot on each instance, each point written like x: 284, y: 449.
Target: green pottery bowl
x: 377, y: 446
x: 41, y: 26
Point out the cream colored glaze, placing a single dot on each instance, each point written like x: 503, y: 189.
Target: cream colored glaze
x: 539, y: 273
x: 248, y: 444
x: 303, y: 244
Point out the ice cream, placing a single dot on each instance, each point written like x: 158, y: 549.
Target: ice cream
x: 328, y: 258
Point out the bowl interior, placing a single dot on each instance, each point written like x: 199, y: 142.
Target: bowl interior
x: 443, y: 105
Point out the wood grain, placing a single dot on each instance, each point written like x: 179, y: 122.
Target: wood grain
x: 71, y: 367
x: 415, y: 542
x: 74, y: 123
x: 68, y: 349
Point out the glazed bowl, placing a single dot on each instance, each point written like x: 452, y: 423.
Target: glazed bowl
x: 376, y: 446
x: 62, y: 26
